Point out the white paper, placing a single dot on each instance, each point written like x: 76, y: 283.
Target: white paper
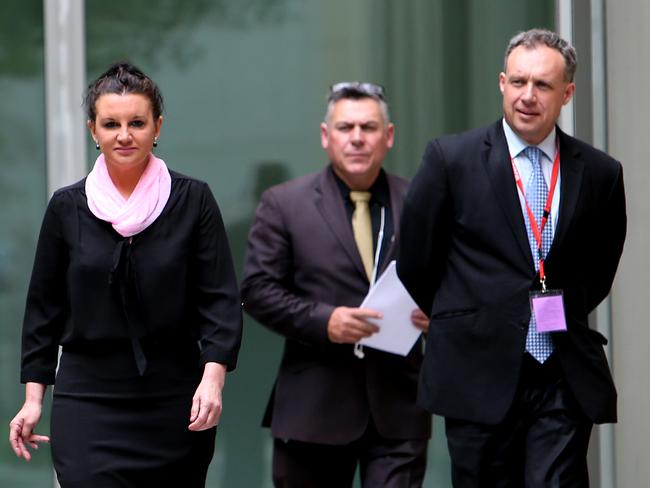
x: 397, y: 334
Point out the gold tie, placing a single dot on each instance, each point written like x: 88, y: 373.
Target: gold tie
x: 362, y: 228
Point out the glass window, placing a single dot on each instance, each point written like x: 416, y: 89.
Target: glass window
x: 23, y: 194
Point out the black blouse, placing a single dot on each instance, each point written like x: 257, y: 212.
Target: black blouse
x: 174, y: 280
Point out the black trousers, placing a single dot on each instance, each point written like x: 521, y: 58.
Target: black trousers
x: 542, y: 442
x: 383, y: 463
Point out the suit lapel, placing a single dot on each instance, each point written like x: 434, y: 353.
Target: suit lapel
x: 571, y: 170
x: 496, y: 159
x: 331, y: 207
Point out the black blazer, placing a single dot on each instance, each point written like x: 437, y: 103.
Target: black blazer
x: 301, y: 263
x: 465, y: 257
x: 181, y: 280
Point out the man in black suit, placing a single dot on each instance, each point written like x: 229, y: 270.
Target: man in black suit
x: 305, y: 278
x: 519, y: 401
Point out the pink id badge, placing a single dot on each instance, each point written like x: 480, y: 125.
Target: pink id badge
x: 548, y: 308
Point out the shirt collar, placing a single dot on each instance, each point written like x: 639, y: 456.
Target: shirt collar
x: 379, y: 189
x: 516, y: 144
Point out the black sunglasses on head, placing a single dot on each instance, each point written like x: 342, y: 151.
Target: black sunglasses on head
x: 370, y: 89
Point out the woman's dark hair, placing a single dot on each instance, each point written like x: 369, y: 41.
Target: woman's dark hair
x: 120, y: 78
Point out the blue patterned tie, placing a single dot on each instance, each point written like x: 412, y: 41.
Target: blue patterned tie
x: 539, y: 345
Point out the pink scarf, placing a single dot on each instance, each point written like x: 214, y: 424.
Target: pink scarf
x: 145, y: 204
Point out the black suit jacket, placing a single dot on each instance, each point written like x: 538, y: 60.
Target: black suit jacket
x: 465, y: 257
x: 301, y: 263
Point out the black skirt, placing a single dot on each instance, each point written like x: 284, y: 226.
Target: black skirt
x: 112, y: 427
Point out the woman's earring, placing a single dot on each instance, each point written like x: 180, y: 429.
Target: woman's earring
x: 97, y: 145
x: 155, y: 142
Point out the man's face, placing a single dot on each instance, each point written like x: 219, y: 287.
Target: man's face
x: 356, y: 139
x: 534, y: 91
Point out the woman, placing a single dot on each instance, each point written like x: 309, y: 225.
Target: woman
x: 133, y: 278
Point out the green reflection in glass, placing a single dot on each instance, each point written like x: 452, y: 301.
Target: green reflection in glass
x: 23, y: 195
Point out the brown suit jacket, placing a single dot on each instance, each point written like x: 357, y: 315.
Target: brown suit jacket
x: 301, y: 263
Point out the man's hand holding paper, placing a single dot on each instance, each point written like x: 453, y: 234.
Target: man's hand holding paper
x: 349, y: 325
x: 401, y: 322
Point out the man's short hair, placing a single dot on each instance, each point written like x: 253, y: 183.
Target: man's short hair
x: 536, y: 37
x: 354, y: 90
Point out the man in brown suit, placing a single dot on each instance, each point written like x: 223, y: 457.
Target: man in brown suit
x: 305, y: 278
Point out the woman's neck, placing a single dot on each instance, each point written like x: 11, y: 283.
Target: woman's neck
x: 126, y: 179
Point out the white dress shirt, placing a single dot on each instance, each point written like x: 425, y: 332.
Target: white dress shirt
x: 549, y: 148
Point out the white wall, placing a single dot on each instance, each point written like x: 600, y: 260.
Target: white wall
x: 628, y: 71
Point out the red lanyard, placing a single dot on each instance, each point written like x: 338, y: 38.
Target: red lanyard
x: 538, y: 229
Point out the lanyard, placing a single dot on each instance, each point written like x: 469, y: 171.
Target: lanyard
x: 358, y: 347
x: 538, y: 229
x: 380, y: 241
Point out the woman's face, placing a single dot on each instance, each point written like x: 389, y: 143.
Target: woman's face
x: 125, y: 129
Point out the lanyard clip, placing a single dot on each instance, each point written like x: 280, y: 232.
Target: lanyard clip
x: 542, y: 280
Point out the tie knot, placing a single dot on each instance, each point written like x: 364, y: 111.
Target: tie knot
x: 360, y: 196
x: 533, y: 154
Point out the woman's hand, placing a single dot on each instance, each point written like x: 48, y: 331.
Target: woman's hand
x: 206, y: 403
x: 21, y: 427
